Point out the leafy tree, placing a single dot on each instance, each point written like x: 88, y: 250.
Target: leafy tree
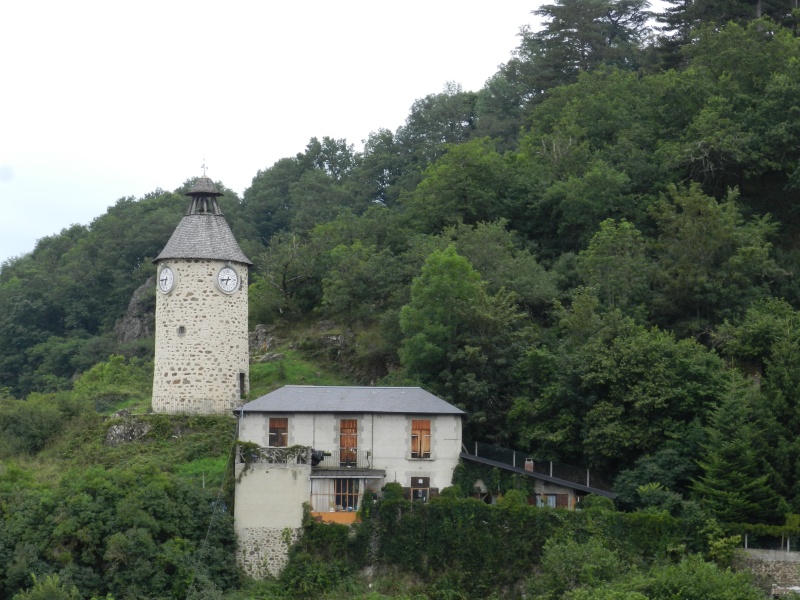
x: 437, y: 120
x: 468, y: 184
x: 49, y: 588
x: 359, y: 284
x: 460, y: 340
x: 610, y: 391
x: 568, y: 565
x: 502, y: 260
x: 616, y: 265
x: 711, y: 262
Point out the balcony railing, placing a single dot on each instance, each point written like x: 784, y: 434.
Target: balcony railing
x: 347, y: 459
x: 336, y: 459
x: 290, y: 455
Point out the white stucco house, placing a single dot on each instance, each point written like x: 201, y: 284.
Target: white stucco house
x: 328, y: 446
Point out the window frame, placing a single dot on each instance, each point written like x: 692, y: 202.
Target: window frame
x: 421, y: 439
x: 280, y: 429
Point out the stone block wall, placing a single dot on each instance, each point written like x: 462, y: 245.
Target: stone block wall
x: 773, y: 569
x: 264, y: 551
x: 201, y: 354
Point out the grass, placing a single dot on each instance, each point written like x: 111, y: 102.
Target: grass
x: 292, y: 369
x: 206, y: 471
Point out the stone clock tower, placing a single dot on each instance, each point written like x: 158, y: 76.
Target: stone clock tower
x: 202, y: 360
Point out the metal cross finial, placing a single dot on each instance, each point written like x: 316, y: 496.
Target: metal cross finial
x: 204, y: 167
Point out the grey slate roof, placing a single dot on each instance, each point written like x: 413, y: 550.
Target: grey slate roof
x: 204, y: 186
x: 205, y: 236
x: 355, y: 399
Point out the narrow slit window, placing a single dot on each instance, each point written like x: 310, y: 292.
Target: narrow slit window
x: 420, y: 438
x: 278, y: 432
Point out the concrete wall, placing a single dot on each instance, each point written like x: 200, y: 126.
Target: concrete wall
x: 199, y: 371
x: 386, y: 436
x: 268, y: 514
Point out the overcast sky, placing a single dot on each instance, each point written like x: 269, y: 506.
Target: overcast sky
x: 102, y: 100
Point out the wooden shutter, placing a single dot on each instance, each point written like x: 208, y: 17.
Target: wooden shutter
x: 279, y: 432
x: 348, y: 441
x: 420, y: 438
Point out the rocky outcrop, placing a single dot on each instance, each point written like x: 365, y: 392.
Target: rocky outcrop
x: 128, y: 430
x: 262, y: 338
x: 139, y: 319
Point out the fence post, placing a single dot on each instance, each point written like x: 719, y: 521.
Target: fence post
x: 476, y: 448
x: 551, y: 468
x: 513, y: 458
x: 587, y: 477
x: 745, y: 541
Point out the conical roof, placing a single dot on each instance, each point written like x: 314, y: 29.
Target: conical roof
x: 203, y: 232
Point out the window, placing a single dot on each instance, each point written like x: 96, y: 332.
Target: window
x: 346, y: 493
x: 420, y: 489
x: 181, y: 330
x: 420, y: 439
x: 242, y: 391
x: 336, y: 494
x: 278, y: 433
x: 348, y: 442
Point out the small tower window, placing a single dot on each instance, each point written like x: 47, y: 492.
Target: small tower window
x: 242, y: 390
x: 181, y: 330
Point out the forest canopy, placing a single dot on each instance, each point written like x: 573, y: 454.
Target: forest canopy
x: 594, y: 255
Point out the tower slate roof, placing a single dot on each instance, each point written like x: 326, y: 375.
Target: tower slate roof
x: 203, y: 232
x: 366, y: 399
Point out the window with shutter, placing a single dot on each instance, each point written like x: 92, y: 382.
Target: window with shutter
x: 420, y: 438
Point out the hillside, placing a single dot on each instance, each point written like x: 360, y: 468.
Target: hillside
x: 594, y: 256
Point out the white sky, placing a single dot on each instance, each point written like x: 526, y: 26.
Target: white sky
x: 100, y: 100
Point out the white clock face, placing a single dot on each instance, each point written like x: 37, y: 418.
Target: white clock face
x: 166, y: 280
x: 228, y: 280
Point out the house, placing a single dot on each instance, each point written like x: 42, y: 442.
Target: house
x: 328, y: 446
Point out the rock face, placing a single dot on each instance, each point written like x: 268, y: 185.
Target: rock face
x: 129, y: 430
x: 262, y: 338
x: 139, y: 320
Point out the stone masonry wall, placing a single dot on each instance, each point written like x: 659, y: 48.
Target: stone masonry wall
x: 774, y: 569
x: 264, y: 551
x: 201, y: 341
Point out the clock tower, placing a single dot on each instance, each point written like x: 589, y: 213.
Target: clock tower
x: 201, y: 358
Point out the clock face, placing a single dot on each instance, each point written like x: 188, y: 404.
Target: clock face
x: 228, y: 280
x: 166, y: 280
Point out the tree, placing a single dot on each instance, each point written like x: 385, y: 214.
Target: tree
x: 469, y: 184
x: 437, y: 120
x: 616, y: 265
x: 735, y: 485
x: 711, y: 262
x: 49, y: 588
x: 608, y: 391
x: 461, y: 341
x: 578, y: 36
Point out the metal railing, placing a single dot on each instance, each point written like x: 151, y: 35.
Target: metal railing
x: 346, y: 459
x: 529, y: 462
x: 285, y: 456
x: 345, y: 502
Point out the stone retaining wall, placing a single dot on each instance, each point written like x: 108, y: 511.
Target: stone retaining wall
x: 774, y: 569
x: 264, y: 551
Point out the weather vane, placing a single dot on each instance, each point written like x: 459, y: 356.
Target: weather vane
x: 204, y: 167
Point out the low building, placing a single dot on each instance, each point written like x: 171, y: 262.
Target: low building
x: 328, y: 446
